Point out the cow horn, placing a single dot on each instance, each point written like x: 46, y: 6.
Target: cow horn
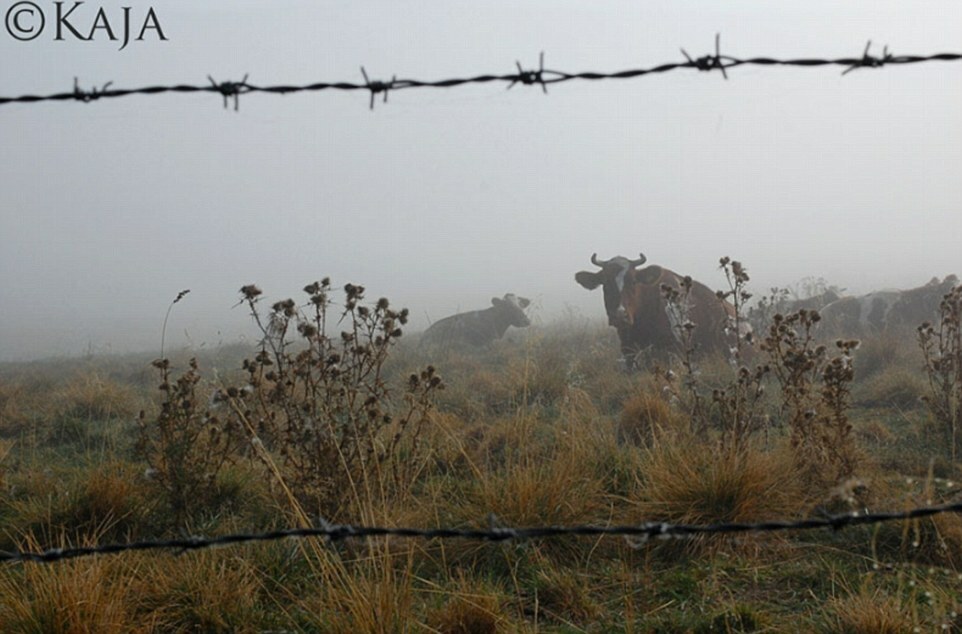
x: 594, y: 260
x: 641, y: 260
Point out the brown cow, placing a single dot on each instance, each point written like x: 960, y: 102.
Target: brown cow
x: 884, y: 311
x: 637, y: 308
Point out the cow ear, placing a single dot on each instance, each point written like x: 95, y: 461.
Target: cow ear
x: 524, y: 302
x: 589, y: 280
x: 496, y: 302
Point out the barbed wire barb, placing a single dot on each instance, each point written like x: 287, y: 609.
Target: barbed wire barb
x: 377, y: 86
x: 92, y: 95
x: 868, y: 61
x: 709, y: 62
x: 498, y: 531
x: 529, y: 77
x: 229, y: 89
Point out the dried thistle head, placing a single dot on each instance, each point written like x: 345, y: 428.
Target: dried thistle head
x: 250, y: 292
x: 307, y: 329
x: 287, y: 307
x: 354, y: 292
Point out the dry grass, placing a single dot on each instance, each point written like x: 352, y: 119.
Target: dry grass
x: 883, y: 351
x: 544, y: 429
x: 565, y: 596
x: 372, y: 595
x: 83, y: 595
x: 871, y: 612
x: 91, y: 397
x: 896, y: 387
x: 465, y: 613
x: 110, y: 500
x: 529, y: 484
x: 687, y: 481
x: 206, y: 591
x: 647, y: 416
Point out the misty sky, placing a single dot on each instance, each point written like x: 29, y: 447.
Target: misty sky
x: 441, y: 199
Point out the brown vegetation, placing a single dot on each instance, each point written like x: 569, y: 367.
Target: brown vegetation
x: 339, y: 422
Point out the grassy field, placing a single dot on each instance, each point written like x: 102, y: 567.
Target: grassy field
x: 543, y: 428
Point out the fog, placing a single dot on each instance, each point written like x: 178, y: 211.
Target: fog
x: 440, y: 199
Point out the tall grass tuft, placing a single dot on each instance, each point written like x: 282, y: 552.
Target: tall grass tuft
x: 467, y: 610
x: 79, y: 595
x: 686, y: 481
x: 646, y: 416
x: 871, y: 612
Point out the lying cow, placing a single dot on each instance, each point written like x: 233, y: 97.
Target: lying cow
x: 478, y: 327
x: 888, y: 310
x: 638, y: 310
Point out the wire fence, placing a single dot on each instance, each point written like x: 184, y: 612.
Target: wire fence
x: 231, y: 91
x: 642, y: 532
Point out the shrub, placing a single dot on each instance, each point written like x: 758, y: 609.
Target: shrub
x: 186, y: 445
x: 323, y: 403
x: 815, y: 396
x: 734, y: 407
x: 941, y: 346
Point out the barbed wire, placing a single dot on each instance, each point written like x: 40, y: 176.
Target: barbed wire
x: 232, y: 90
x: 336, y: 532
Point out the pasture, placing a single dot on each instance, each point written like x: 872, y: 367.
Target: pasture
x: 543, y: 427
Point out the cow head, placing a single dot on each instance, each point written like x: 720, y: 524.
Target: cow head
x: 611, y: 278
x: 512, y: 308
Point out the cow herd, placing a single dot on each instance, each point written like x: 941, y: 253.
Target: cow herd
x: 657, y: 312
x: 886, y: 310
